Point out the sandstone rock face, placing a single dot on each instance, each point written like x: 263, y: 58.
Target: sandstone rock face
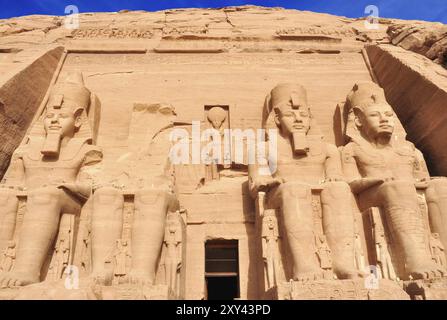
x: 428, y: 39
x: 128, y: 173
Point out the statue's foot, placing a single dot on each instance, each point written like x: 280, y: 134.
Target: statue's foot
x: 16, y: 279
x: 428, y: 271
x: 140, y: 278
x: 308, y: 275
x: 102, y: 277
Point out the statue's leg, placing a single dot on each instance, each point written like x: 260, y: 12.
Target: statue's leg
x: 338, y: 226
x: 37, y: 234
x: 107, y: 224
x: 8, y: 211
x: 405, y: 221
x: 436, y: 195
x: 151, y: 208
x: 295, y: 202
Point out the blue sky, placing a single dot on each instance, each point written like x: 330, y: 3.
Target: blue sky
x: 431, y: 10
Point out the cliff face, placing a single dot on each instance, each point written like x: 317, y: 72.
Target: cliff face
x: 32, y: 47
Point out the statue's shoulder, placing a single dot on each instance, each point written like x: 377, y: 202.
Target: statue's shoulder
x: 406, y: 148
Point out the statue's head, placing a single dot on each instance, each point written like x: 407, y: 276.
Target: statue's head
x: 64, y: 109
x: 11, y: 244
x: 374, y: 117
x: 65, y: 106
x: 217, y: 116
x: 292, y: 113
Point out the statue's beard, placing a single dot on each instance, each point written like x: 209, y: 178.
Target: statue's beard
x: 299, y: 143
x: 52, y: 144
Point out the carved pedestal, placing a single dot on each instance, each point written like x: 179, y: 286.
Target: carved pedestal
x: 337, y: 290
x: 58, y: 290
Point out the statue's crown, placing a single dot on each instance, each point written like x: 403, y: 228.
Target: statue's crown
x: 71, y: 89
x: 288, y: 92
x: 364, y: 94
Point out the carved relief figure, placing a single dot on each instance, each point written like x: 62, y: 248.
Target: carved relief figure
x: 62, y: 253
x: 437, y: 250
x: 304, y: 160
x: 270, y: 235
x: 382, y: 248
x: 8, y: 257
x: 385, y: 173
x: 51, y: 169
x: 358, y: 252
x: 216, y: 117
x: 323, y: 253
x: 173, y: 241
x: 120, y: 255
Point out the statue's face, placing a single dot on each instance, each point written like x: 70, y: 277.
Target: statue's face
x: 62, y: 121
x: 377, y: 120
x: 293, y: 120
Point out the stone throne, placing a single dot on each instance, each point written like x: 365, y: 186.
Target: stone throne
x: 386, y: 257
x: 68, y: 89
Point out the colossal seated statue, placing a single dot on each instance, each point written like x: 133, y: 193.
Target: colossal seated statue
x: 50, y: 168
x: 150, y: 184
x: 305, y: 164
x: 385, y: 171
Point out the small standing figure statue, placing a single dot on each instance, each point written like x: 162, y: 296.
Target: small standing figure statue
x: 437, y: 250
x: 270, y: 237
x: 216, y: 118
x: 120, y: 255
x: 173, y: 240
x: 86, y: 253
x: 62, y: 256
x: 383, y: 253
x: 324, y: 255
x: 9, y: 255
x: 358, y: 252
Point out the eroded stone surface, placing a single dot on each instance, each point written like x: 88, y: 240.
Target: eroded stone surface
x: 93, y: 206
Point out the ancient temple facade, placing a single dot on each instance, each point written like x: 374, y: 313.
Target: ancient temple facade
x: 234, y: 153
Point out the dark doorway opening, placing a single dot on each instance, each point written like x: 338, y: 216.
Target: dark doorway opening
x: 221, y: 270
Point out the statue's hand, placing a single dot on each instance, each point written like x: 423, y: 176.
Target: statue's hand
x: 266, y: 183
x: 334, y: 179
x: 359, y: 185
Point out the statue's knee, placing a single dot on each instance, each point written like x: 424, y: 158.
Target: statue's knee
x: 335, y: 190
x: 151, y: 196
x: 107, y: 195
x: 45, y: 195
x: 398, y: 189
x: 7, y: 196
x: 290, y: 191
x: 437, y: 188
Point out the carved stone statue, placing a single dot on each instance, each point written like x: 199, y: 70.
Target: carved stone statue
x: 437, y: 250
x: 50, y: 167
x: 323, y: 253
x: 173, y: 241
x: 151, y: 184
x: 120, y: 255
x: 358, y: 252
x: 382, y: 247
x: 9, y: 255
x: 270, y: 235
x: 385, y: 172
x: 62, y: 253
x: 216, y: 117
x: 305, y: 163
